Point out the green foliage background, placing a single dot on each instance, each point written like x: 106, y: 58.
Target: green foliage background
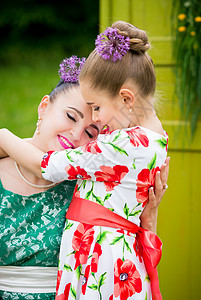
x: 34, y: 37
x: 186, y: 28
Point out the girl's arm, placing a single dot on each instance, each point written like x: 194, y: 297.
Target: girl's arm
x: 150, y: 212
x: 82, y: 162
x: 22, y: 152
x: 103, y: 159
x: 3, y: 154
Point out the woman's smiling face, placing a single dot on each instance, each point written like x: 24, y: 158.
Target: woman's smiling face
x: 66, y: 122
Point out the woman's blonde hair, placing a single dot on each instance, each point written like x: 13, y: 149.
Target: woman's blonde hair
x: 136, y: 65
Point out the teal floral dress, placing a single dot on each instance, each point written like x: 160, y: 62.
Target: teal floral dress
x: 31, y: 229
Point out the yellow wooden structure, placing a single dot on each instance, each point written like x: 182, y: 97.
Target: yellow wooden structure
x: 180, y: 211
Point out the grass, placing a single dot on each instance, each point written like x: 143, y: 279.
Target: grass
x: 22, y: 86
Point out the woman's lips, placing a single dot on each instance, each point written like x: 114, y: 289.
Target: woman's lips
x: 65, y: 143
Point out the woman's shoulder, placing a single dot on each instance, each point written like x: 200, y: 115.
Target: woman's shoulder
x: 8, y: 175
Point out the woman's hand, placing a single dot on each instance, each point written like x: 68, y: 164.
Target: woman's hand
x: 150, y: 212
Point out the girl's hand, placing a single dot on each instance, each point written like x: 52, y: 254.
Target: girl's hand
x: 150, y: 212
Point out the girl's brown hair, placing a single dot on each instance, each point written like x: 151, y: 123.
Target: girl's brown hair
x: 136, y: 65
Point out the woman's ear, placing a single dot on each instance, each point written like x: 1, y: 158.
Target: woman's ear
x: 43, y: 105
x: 128, y: 97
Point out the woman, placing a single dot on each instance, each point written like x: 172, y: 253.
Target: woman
x: 33, y: 211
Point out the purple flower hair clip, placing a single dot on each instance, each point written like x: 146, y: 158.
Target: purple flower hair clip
x: 70, y: 68
x: 111, y: 44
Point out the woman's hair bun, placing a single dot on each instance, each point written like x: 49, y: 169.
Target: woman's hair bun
x: 138, y: 38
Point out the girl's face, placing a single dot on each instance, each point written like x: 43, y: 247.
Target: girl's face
x: 67, y: 123
x: 108, y: 110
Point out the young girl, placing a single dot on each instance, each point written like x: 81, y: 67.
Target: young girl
x: 104, y: 253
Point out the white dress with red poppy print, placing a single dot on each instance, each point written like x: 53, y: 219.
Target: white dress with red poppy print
x: 115, y: 171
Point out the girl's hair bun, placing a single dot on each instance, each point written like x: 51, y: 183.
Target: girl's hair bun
x: 138, y: 38
x: 139, y: 45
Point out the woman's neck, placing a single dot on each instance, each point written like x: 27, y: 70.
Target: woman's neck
x: 31, y: 177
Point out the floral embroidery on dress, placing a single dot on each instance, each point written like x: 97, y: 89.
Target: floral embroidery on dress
x: 33, y: 236
x: 25, y: 296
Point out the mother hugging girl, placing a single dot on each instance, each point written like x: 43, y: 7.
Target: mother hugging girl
x: 105, y: 254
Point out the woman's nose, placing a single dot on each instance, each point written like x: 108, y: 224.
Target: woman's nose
x: 76, y: 133
x: 95, y: 116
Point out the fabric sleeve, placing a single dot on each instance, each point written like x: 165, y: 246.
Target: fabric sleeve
x: 106, y: 159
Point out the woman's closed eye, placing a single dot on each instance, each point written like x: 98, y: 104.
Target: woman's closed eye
x: 70, y: 117
x: 92, y: 131
x: 89, y: 134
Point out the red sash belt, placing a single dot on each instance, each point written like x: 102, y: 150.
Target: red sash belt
x: 88, y: 212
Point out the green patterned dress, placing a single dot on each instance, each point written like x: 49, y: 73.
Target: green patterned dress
x: 30, y: 230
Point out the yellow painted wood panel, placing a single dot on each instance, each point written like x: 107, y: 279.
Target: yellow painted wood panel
x: 105, y: 13
x: 179, y: 223
x: 179, y: 228
x: 143, y: 14
x: 120, y: 10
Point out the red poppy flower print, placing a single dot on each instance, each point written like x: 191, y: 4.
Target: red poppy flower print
x: 76, y: 192
x: 45, y: 159
x: 59, y: 273
x: 106, y: 130
x: 138, y: 249
x: 85, y: 279
x: 166, y: 147
x: 123, y: 232
x: 138, y: 137
x: 92, y: 148
x: 76, y: 173
x: 111, y: 297
x: 111, y: 176
x: 95, y: 257
x: 81, y: 243
x: 127, y: 279
x: 65, y: 294
x: 146, y: 179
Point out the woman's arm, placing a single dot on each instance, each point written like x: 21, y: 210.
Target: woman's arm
x: 150, y: 212
x: 22, y: 152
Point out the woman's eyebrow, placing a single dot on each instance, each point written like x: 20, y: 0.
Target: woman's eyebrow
x: 79, y: 112
x: 95, y: 127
